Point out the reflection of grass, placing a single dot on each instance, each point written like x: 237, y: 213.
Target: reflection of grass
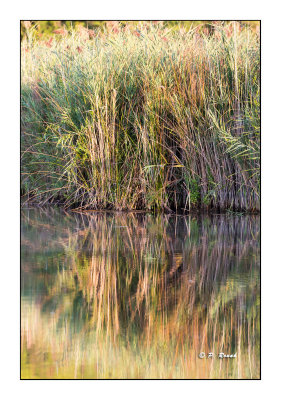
x: 144, y: 300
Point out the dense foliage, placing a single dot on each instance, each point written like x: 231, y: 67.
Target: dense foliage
x: 142, y: 116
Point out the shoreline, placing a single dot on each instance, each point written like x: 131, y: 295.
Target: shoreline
x: 130, y: 211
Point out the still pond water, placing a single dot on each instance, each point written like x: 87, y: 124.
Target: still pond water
x: 116, y: 295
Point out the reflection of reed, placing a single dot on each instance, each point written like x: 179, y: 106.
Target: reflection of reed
x: 155, y: 290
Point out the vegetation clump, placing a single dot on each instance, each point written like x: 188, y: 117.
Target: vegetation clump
x: 142, y: 116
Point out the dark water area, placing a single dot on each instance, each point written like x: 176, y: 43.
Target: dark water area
x: 132, y: 295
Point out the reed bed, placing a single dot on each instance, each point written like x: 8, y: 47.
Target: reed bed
x: 118, y: 296
x: 142, y: 117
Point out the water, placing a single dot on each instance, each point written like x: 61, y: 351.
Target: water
x: 116, y: 295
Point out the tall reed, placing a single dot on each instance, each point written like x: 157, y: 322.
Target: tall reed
x: 146, y: 118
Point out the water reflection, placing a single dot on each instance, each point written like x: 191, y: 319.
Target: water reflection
x: 115, y: 295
